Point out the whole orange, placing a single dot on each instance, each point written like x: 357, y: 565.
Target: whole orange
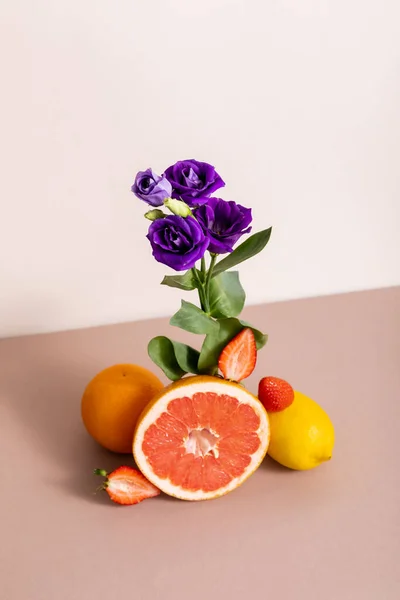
x: 113, y: 401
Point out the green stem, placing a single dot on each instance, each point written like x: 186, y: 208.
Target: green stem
x: 200, y: 288
x: 208, y: 282
x: 101, y: 472
x: 203, y: 268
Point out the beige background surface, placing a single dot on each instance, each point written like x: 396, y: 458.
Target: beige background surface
x: 332, y: 533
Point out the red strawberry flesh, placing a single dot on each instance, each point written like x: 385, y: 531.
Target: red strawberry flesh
x: 238, y: 359
x: 127, y: 486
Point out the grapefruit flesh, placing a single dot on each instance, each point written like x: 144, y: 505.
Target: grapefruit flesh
x: 201, y: 438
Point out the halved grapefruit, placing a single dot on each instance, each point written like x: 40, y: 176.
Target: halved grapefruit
x: 201, y: 437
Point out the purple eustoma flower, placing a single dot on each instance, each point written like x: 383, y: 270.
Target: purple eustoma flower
x: 177, y: 242
x: 224, y: 223
x: 151, y: 188
x: 193, y: 181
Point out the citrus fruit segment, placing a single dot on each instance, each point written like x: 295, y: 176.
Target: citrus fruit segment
x: 201, y: 437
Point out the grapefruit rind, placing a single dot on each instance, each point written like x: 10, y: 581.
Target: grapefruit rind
x: 188, y: 387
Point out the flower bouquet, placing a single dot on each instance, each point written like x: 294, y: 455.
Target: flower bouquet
x: 199, y: 236
x: 205, y: 434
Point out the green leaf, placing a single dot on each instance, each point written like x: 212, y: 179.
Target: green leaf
x: 214, y: 343
x: 261, y: 338
x: 187, y: 357
x: 161, y: 352
x: 185, y: 282
x: 174, y: 358
x: 191, y: 318
x: 252, y: 246
x: 227, y: 296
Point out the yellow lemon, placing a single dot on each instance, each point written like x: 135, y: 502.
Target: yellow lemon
x: 302, y: 435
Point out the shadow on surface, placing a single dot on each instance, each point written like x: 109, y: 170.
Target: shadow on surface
x: 271, y: 465
x: 42, y: 382
x: 42, y: 379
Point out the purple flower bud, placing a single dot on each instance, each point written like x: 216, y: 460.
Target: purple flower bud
x: 151, y: 188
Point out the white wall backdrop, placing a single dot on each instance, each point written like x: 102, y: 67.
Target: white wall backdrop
x: 295, y: 102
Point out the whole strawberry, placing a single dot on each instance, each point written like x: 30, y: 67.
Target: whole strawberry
x: 127, y: 486
x: 275, y: 394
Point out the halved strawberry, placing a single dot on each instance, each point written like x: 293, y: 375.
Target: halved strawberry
x: 275, y: 394
x: 127, y: 486
x: 238, y: 359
